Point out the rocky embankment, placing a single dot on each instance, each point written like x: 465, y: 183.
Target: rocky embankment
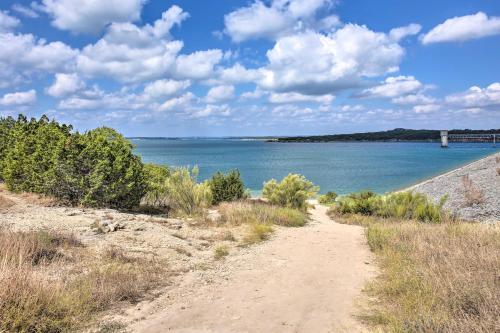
x: 473, y: 190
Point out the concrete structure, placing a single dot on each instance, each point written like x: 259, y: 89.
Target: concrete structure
x: 444, y: 139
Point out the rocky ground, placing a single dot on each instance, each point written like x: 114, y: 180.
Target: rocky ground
x: 476, y: 199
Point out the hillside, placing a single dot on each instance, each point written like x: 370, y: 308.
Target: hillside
x: 398, y: 134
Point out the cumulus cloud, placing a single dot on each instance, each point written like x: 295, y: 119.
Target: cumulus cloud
x: 25, y: 54
x: 476, y: 97
x: 19, y: 98
x: 394, y: 87
x: 316, y: 64
x: 7, y: 22
x: 163, y: 88
x: 398, y: 34
x: 426, y: 108
x: 238, y: 74
x: 180, y: 103
x: 220, y: 94
x: 65, y: 84
x: 83, y: 16
x: 129, y: 53
x: 293, y: 97
x: 282, y: 16
x: 463, y: 28
x: 197, y: 65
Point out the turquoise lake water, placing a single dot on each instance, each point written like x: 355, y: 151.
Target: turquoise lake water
x: 342, y: 167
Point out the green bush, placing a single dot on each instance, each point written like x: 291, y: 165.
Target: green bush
x: 403, y: 205
x: 97, y: 168
x: 328, y: 198
x: 228, y: 187
x: 156, y: 177
x: 184, y: 194
x: 292, y: 191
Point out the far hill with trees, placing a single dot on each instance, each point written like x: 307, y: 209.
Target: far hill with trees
x: 398, y: 134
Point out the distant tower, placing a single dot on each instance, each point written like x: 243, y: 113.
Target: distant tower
x: 444, y: 139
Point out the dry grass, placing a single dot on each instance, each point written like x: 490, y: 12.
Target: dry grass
x: 254, y: 212
x: 435, y: 278
x: 473, y: 195
x: 256, y: 233
x: 43, y: 288
x: 221, y: 251
x: 5, y: 203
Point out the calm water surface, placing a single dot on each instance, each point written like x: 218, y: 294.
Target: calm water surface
x: 342, y: 167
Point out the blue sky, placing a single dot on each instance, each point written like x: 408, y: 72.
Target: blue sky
x: 228, y: 67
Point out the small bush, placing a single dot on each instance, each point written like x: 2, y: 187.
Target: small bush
x: 472, y: 194
x: 257, y: 232
x: 184, y: 194
x: 221, y: 251
x: 292, y: 191
x: 156, y: 177
x: 403, y: 205
x: 228, y: 187
x: 328, y: 198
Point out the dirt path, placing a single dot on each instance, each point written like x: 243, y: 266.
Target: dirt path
x: 303, y: 280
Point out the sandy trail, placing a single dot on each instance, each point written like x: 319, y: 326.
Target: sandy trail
x: 302, y: 280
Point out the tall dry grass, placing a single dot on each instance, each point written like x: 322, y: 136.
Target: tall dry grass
x: 435, y: 278
x: 51, y: 283
x: 473, y: 195
x: 252, y: 212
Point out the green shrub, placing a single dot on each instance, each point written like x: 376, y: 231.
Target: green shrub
x: 403, y: 205
x: 292, y: 191
x: 156, y: 177
x: 101, y: 170
x: 328, y: 198
x: 97, y: 168
x: 184, y: 194
x: 228, y: 187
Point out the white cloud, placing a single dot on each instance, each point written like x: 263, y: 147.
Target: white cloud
x: 7, y: 22
x: 25, y: 11
x: 476, y: 97
x: 394, y: 87
x: 21, y: 55
x: 317, y: 64
x: 129, y: 53
x: 293, y: 97
x: 178, y: 103
x: 414, y: 99
x: 238, y: 74
x: 398, y: 34
x: 83, y: 16
x: 220, y: 94
x: 163, y: 88
x: 210, y: 110
x: 262, y: 21
x: 427, y: 108
x: 463, y: 28
x: 19, y: 98
x: 65, y: 84
x: 198, y: 65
